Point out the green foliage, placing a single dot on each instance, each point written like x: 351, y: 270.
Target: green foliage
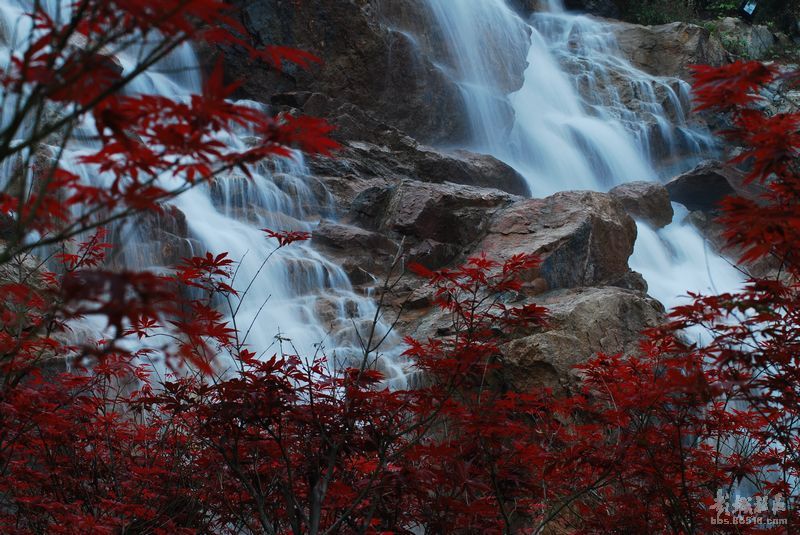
x: 723, y: 7
x: 736, y: 45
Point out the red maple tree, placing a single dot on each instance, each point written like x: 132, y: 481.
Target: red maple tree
x: 649, y: 443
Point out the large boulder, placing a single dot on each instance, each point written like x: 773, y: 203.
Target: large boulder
x: 749, y: 41
x: 418, y: 162
x: 446, y: 213
x: 584, y: 238
x: 583, y: 322
x: 346, y: 237
x: 703, y: 187
x: 647, y: 201
x: 669, y: 49
x: 363, y: 254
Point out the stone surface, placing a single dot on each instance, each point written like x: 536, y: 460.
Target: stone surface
x: 346, y: 237
x: 447, y: 213
x: 583, y: 237
x: 669, y: 49
x: 364, y: 255
x: 153, y: 239
x: 647, y: 201
x: 422, y: 163
x: 748, y: 41
x: 367, y: 63
x: 703, y: 187
x: 585, y: 322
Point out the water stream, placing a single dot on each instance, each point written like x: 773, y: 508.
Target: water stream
x: 299, y: 299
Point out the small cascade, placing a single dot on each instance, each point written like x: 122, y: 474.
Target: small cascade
x: 583, y: 118
x: 485, y: 44
x: 297, y: 298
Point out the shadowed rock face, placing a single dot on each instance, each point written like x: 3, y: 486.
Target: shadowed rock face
x: 386, y: 57
x: 367, y: 63
x: 703, y: 187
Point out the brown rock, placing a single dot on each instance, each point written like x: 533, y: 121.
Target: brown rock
x: 585, y: 322
x: 433, y: 254
x: 648, y: 201
x: 446, y: 213
x: 407, y: 159
x: 583, y: 237
x: 669, y: 49
x: 364, y: 255
x: 348, y: 237
x: 367, y: 63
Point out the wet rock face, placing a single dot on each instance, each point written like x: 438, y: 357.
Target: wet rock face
x: 446, y: 213
x: 386, y: 57
x: 417, y: 162
x: 161, y: 239
x: 647, y: 201
x: 367, y: 63
x: 669, y: 49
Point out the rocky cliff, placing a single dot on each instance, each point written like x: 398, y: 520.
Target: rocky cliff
x: 385, y: 85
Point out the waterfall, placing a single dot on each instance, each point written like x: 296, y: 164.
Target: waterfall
x: 578, y: 117
x: 299, y: 298
x: 583, y: 117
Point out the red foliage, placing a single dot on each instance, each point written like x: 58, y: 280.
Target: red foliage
x: 193, y: 432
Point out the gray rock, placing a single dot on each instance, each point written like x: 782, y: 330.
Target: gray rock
x: 366, y: 63
x: 447, y: 213
x: 750, y: 41
x: 706, y: 185
x: 347, y: 237
x: 647, y: 201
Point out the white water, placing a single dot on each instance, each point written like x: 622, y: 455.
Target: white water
x: 573, y: 128
x: 283, y: 305
x: 584, y: 118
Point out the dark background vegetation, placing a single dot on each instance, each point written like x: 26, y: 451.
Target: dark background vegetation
x: 782, y: 15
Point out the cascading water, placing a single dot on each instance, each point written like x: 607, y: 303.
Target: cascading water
x: 580, y: 117
x: 583, y: 118
x: 297, y: 295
